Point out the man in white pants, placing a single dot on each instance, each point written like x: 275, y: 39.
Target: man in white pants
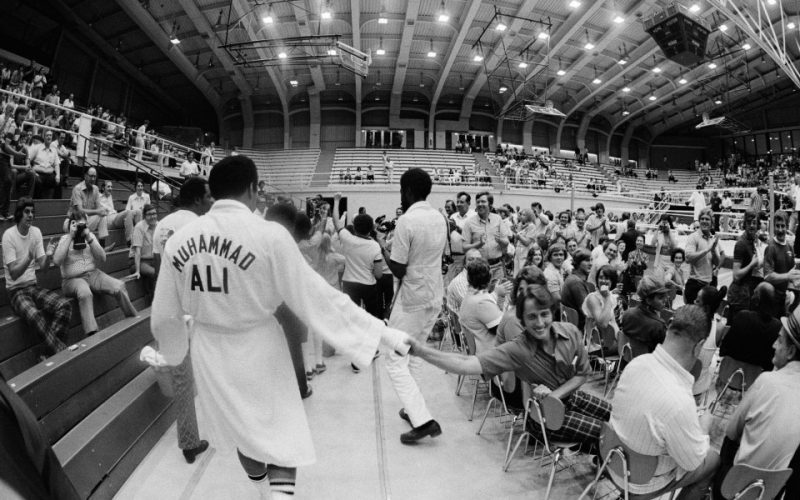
x: 416, y: 259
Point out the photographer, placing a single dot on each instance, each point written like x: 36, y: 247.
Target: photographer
x: 77, y: 253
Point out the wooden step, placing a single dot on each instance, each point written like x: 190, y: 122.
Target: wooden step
x: 111, y: 441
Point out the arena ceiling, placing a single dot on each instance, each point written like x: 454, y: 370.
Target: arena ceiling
x: 427, y: 59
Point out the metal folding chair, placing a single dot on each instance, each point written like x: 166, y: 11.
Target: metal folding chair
x: 569, y: 315
x: 608, y: 361
x: 549, y: 415
x: 738, y: 376
x: 629, y: 466
x: 469, y: 343
x: 515, y: 413
x: 743, y: 482
x: 451, y: 331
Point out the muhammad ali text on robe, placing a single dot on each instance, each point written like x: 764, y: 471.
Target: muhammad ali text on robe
x: 207, y: 280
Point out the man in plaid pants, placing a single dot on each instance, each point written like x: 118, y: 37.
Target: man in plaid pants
x: 23, y: 250
x: 548, y: 355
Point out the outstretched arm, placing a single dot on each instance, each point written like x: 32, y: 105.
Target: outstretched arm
x: 452, y: 362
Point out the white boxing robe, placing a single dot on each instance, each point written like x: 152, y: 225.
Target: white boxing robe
x: 230, y: 270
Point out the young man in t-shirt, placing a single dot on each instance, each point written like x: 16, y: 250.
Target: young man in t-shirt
x: 779, y: 267
x: 23, y: 250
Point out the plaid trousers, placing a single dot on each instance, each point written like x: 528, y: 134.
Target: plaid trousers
x: 183, y: 387
x: 583, y: 419
x: 36, y: 306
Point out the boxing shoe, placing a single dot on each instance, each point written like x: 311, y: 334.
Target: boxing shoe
x: 430, y: 428
x: 192, y: 453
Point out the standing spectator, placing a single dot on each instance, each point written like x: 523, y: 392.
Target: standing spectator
x: 39, y: 81
x: 748, y: 256
x: 117, y: 220
x: 417, y: 247
x: 697, y: 201
x: 141, y: 250
x: 629, y: 237
x: 69, y: 102
x: 486, y: 232
x: 665, y: 241
x: 362, y: 255
x: 140, y: 132
x: 664, y: 422
x: 582, y: 236
x: 189, y: 167
x: 702, y: 253
x: 63, y: 156
x: 716, y: 206
x: 47, y: 312
x: 463, y: 212
x: 597, y: 224
x: 562, y: 229
x: 524, y: 238
x: 78, y: 253
x: 636, y: 265
x: 86, y: 200
x: 779, y: 267
x: 674, y: 276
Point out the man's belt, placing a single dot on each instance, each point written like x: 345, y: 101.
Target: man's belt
x: 492, y: 262
x: 456, y: 253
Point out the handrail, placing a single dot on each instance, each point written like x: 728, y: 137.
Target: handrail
x: 27, y: 98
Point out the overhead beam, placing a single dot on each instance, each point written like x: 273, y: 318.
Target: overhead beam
x: 355, y: 17
x: 70, y: 17
x: 574, y: 23
x: 201, y: 24
x: 452, y: 54
x: 152, y: 29
x: 412, y: 10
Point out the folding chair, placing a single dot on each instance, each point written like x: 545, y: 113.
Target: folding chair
x: 515, y: 413
x: 605, y: 340
x: 469, y: 343
x: 738, y: 376
x: 743, y: 482
x: 631, y: 467
x: 569, y: 315
x: 549, y: 415
x: 451, y: 331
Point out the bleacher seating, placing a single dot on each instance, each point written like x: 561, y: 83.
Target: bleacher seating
x: 687, y: 181
x: 283, y: 167
x: 427, y: 159
x: 99, y: 406
x: 581, y: 175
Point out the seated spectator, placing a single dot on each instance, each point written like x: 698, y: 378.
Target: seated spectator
x: 643, y: 324
x: 86, y: 201
x: 479, y: 313
x: 765, y: 431
x: 600, y: 305
x: 77, y: 254
x: 46, y: 312
x: 45, y: 167
x: 459, y: 286
x: 549, y: 355
x: 577, y: 286
x: 142, y: 249
x: 117, y: 220
x: 603, y: 255
x: 553, y: 272
x: 189, y: 167
x: 753, y: 332
x: 162, y: 190
x: 138, y: 199
x: 655, y: 414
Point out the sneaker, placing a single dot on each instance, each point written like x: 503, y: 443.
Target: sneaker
x: 320, y: 368
x: 310, y: 375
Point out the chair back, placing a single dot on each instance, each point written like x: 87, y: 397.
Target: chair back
x: 549, y: 412
x: 729, y: 366
x: 744, y: 482
x: 625, y: 351
x: 569, y: 315
x: 606, y: 338
x: 469, y: 341
x: 640, y: 467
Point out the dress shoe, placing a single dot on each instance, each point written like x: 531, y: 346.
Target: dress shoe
x: 405, y: 417
x: 192, y: 453
x: 320, y: 368
x: 430, y: 428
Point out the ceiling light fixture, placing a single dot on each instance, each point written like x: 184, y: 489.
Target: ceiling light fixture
x: 523, y: 65
x: 332, y: 52
x: 173, y: 36
x: 421, y: 81
x: 282, y: 55
x: 543, y: 35
x: 683, y: 81
x: 746, y: 46
x: 431, y: 53
x: 268, y: 18
x: 694, y: 8
x: 619, y: 19
x: 477, y: 58
x: 574, y: 4
x: 597, y: 80
x: 560, y: 71
x: 326, y: 11
x: 503, y: 88
x: 380, y: 50
x: 718, y: 101
x: 652, y: 93
x: 293, y: 83
x: 623, y: 55
x: 723, y: 27
x: 443, y: 15
x: 589, y: 45
x: 625, y: 112
x: 500, y: 26
x: 712, y: 65
x: 382, y: 19
x: 791, y: 25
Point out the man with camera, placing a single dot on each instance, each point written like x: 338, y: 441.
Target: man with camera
x: 86, y: 200
x: 78, y: 253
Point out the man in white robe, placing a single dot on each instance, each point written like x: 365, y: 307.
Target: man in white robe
x: 229, y: 270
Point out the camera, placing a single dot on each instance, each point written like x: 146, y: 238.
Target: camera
x: 79, y: 241
x: 385, y: 226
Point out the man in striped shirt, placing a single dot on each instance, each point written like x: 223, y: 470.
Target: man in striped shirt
x: 654, y: 412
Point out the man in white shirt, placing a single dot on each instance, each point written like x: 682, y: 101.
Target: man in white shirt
x: 419, y: 241
x: 138, y: 199
x: 261, y: 206
x: 127, y: 219
x: 463, y: 212
x: 244, y: 373
x: 189, y: 166
x: 195, y: 200
x: 44, y: 163
x: 140, y: 139
x: 698, y: 202
x: 654, y: 412
x: 69, y: 102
